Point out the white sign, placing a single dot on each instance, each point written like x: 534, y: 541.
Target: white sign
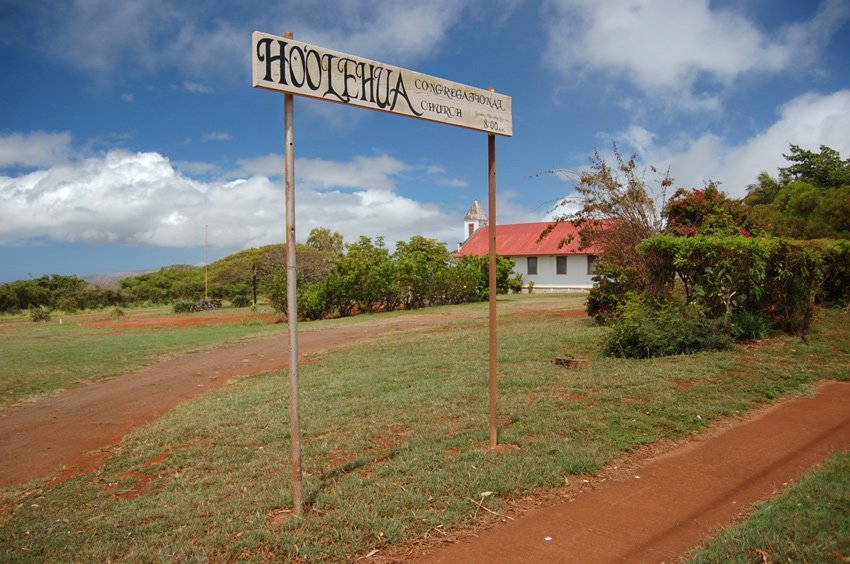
x: 299, y: 68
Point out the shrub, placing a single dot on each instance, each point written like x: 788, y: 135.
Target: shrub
x: 313, y: 301
x: 643, y: 331
x: 720, y: 273
x: 794, y: 273
x: 67, y: 304
x: 774, y: 278
x: 116, y: 313
x: 205, y: 304
x: 504, y: 270
x: 8, y: 299
x: 515, y: 284
x: 40, y: 313
x: 607, y: 297
x: 185, y: 306
x: 460, y: 283
x: 240, y: 301
x: 749, y: 326
x: 835, y: 290
x: 313, y: 298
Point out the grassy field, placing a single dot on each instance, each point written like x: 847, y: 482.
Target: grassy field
x: 37, y: 359
x: 810, y: 522
x: 395, y: 435
x: 41, y: 358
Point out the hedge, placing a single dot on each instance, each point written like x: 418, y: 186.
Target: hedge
x: 776, y: 278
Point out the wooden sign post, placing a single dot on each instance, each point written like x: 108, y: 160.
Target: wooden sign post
x: 296, y: 68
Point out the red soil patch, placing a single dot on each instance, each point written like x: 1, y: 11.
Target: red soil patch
x: 573, y: 397
x: 567, y: 313
x: 141, y: 480
x: 182, y: 321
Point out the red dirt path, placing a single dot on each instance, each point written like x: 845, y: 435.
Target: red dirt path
x: 671, y: 503
x: 39, y: 438
x: 177, y: 321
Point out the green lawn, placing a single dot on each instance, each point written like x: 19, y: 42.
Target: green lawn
x: 810, y: 522
x: 41, y: 358
x: 394, y: 440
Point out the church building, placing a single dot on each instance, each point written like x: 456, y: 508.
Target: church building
x: 551, y: 266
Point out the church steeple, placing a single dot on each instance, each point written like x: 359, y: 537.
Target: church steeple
x: 475, y: 219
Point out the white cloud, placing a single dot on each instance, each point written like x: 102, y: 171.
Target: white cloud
x: 35, y: 149
x: 365, y: 173
x: 510, y: 210
x: 198, y: 168
x: 399, y: 32
x: 810, y: 120
x: 216, y: 136
x: 196, y: 87
x: 140, y: 198
x: 101, y: 35
x: 452, y: 182
x: 684, y: 54
x: 144, y: 36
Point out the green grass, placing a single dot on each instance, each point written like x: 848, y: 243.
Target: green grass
x: 394, y: 441
x: 810, y: 522
x: 41, y: 358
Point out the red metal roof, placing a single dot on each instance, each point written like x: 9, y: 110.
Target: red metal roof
x: 520, y: 239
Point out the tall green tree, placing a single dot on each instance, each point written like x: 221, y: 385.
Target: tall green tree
x: 421, y: 265
x: 825, y: 169
x: 810, y: 199
x: 323, y: 239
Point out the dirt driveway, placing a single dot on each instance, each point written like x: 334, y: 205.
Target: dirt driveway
x: 39, y: 438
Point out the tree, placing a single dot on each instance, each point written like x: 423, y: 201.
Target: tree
x: 763, y: 191
x: 233, y: 275
x: 617, y: 213
x: 421, y: 264
x: 810, y: 199
x: 824, y: 169
x: 8, y: 299
x: 313, y: 269
x: 706, y: 211
x: 322, y: 239
x: 166, y: 285
x: 364, y: 278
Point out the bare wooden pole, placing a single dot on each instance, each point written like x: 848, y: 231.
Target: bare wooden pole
x: 491, y: 192
x: 291, y: 299
x: 206, y: 264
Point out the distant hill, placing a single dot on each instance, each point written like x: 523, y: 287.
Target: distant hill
x: 113, y: 280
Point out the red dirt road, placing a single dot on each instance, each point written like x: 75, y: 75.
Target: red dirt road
x: 39, y: 438
x: 671, y: 503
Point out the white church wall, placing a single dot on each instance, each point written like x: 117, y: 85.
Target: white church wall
x: 547, y: 278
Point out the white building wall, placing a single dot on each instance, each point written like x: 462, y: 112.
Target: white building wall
x: 576, y: 278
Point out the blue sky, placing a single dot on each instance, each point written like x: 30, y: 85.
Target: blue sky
x: 126, y: 127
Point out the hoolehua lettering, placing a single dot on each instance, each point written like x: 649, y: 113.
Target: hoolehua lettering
x: 368, y: 82
x: 295, y: 67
